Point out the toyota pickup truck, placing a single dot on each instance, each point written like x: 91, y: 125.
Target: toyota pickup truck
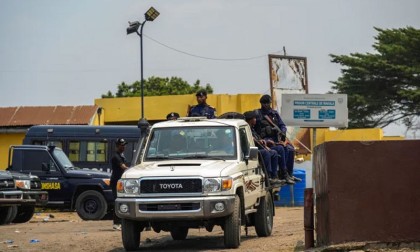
x: 196, y: 173
x: 70, y: 188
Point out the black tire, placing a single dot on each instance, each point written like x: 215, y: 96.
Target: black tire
x: 179, y: 233
x: 264, y: 217
x: 12, y: 214
x: 232, y: 234
x: 24, y: 214
x: 130, y: 234
x: 91, y: 205
x: 5, y: 213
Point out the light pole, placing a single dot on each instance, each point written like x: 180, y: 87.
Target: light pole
x: 150, y: 15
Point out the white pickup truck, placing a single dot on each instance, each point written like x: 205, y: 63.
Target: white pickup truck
x: 196, y: 173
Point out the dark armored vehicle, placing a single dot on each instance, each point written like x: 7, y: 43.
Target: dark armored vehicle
x: 86, y: 191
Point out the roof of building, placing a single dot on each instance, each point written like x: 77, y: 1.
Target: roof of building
x: 51, y: 115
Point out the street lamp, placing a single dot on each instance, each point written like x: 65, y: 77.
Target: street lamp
x: 150, y: 15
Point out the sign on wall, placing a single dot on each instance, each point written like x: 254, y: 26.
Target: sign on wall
x: 315, y: 110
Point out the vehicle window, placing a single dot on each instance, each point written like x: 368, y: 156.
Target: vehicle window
x: 192, y: 142
x: 90, y: 151
x: 62, y: 158
x: 244, y: 141
x: 56, y: 143
x: 32, y: 160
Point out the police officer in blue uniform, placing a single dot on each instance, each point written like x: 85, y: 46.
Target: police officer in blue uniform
x: 172, y: 116
x: 274, y: 139
x: 202, y: 108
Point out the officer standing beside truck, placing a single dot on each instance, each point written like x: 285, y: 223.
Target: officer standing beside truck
x: 118, y: 167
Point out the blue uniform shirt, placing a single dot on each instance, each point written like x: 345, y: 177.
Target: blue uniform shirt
x: 203, y: 110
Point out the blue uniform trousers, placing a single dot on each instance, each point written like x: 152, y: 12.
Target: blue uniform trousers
x: 270, y: 159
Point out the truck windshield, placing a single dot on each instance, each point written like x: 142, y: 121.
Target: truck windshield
x: 63, y: 159
x: 192, y: 143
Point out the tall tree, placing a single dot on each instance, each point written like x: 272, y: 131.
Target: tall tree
x: 383, y: 87
x: 157, y: 86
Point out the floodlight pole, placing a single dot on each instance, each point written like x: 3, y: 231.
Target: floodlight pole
x: 150, y: 15
x: 141, y: 70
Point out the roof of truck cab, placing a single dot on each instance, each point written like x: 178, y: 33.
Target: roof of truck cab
x: 196, y: 121
x: 32, y: 147
x: 84, y: 130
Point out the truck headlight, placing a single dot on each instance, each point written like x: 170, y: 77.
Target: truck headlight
x: 130, y: 186
x: 211, y: 185
x: 23, y: 184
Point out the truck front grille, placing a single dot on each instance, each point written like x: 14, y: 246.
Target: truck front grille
x: 193, y: 185
x: 169, y: 207
x: 7, y: 184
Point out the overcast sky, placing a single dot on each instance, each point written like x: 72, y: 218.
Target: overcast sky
x: 59, y: 52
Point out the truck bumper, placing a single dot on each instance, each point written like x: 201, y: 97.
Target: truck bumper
x: 10, y: 198
x: 40, y: 197
x: 194, y: 208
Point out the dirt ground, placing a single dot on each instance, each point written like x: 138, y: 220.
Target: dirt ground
x: 67, y: 232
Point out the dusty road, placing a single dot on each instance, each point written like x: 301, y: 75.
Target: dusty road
x: 67, y: 232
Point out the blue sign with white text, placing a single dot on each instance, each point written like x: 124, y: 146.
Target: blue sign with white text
x: 301, y: 114
x: 326, y: 114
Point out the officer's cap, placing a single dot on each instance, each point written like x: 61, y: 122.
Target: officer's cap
x: 121, y: 141
x: 172, y: 116
x: 201, y: 93
x: 249, y: 115
x: 265, y: 99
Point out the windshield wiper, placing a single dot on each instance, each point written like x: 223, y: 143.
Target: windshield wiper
x: 163, y: 158
x: 203, y: 156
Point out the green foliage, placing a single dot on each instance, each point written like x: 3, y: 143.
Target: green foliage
x: 156, y: 86
x: 382, y: 87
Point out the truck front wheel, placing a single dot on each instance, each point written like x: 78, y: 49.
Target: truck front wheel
x: 130, y: 233
x: 24, y: 214
x: 232, y: 227
x: 5, y: 214
x: 264, y: 216
x: 91, y: 205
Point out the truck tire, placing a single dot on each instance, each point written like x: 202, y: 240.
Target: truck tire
x: 24, y: 214
x: 5, y: 213
x: 264, y: 216
x: 12, y: 214
x: 179, y: 233
x: 130, y: 233
x: 91, y: 205
x: 232, y: 227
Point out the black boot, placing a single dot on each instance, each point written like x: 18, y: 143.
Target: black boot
x: 289, y: 179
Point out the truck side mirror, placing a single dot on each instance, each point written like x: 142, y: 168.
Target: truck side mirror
x: 252, y: 154
x: 45, y: 167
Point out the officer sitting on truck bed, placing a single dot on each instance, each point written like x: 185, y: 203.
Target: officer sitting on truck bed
x: 271, y: 127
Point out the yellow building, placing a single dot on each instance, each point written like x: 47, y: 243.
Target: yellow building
x: 127, y: 111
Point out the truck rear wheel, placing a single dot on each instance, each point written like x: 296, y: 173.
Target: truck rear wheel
x: 24, y: 214
x: 179, y: 233
x: 130, y: 234
x: 232, y: 228
x: 91, y: 205
x: 264, y: 216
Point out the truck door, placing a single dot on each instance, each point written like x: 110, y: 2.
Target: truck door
x: 251, y: 175
x: 41, y: 164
